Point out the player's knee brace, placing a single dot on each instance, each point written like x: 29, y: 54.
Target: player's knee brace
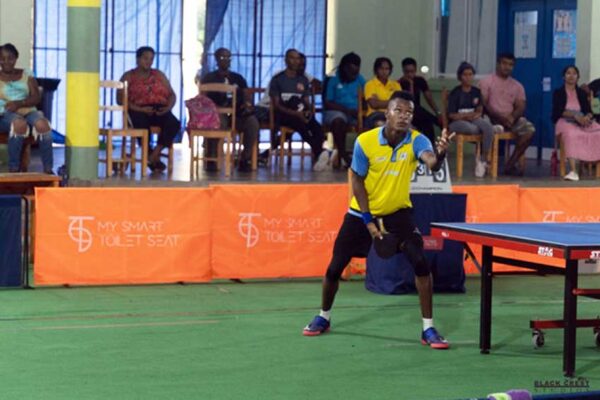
x: 413, y: 250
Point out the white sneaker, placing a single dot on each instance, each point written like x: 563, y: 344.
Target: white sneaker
x: 322, y: 161
x: 572, y: 176
x: 332, y: 158
x: 498, y: 128
x: 328, y: 145
x: 480, y: 168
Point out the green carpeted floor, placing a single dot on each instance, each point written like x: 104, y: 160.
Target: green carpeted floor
x: 243, y: 341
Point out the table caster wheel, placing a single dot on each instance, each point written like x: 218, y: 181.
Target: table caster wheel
x: 537, y: 338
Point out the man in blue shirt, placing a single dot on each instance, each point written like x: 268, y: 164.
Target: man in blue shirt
x: 341, y: 102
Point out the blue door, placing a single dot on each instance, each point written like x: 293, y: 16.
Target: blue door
x: 541, y: 34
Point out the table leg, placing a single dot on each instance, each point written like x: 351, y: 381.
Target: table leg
x: 570, y: 318
x: 485, y: 319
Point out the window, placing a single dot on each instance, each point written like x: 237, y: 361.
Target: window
x: 258, y: 32
x: 467, y: 32
x: 124, y: 26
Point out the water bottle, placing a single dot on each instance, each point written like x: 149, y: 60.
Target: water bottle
x: 554, y: 164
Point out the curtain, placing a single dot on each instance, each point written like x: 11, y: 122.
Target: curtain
x: 471, y: 35
x: 258, y: 32
x: 215, y: 14
x: 124, y: 26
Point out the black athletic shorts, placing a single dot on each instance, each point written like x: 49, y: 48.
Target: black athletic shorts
x: 354, y: 239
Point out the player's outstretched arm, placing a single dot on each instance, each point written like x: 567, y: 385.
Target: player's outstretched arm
x: 435, y: 160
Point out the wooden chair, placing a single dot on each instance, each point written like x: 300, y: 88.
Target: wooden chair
x: 223, y: 134
x: 126, y: 133
x: 155, y: 130
x: 286, y: 134
x: 461, y: 138
x: 507, y: 137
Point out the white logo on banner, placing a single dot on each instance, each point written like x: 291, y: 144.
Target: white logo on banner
x: 551, y: 215
x: 287, y: 230
x: 127, y: 233
x: 247, y: 229
x: 561, y: 216
x: 80, y: 235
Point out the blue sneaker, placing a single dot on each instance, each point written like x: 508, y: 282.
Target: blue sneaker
x: 317, y: 326
x: 433, y: 339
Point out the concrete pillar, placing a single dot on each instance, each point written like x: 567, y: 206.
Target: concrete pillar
x: 83, y: 93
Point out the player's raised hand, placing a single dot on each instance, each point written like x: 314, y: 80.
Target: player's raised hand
x: 442, y: 142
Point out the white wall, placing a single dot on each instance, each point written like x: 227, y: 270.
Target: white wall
x: 588, y: 37
x: 16, y: 27
x: 374, y: 28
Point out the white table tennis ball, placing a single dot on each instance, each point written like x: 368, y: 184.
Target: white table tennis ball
x: 424, y: 69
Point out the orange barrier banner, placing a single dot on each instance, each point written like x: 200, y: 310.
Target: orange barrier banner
x: 275, y: 231
x: 577, y: 205
x: 491, y: 203
x: 497, y: 203
x: 94, y: 236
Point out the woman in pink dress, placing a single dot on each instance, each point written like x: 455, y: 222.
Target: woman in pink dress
x: 572, y: 114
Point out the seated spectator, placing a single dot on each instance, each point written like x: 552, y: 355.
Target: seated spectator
x: 246, y: 120
x: 423, y: 120
x: 316, y: 84
x: 290, y: 92
x: 341, y: 101
x: 504, y: 102
x: 465, y: 110
x: 19, y: 93
x: 262, y: 107
x: 593, y: 88
x: 378, y: 92
x: 572, y: 114
x: 151, y: 99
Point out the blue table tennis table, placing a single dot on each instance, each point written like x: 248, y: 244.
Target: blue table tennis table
x: 566, y: 241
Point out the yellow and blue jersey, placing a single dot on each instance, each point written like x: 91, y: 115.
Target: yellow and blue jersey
x: 387, y: 170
